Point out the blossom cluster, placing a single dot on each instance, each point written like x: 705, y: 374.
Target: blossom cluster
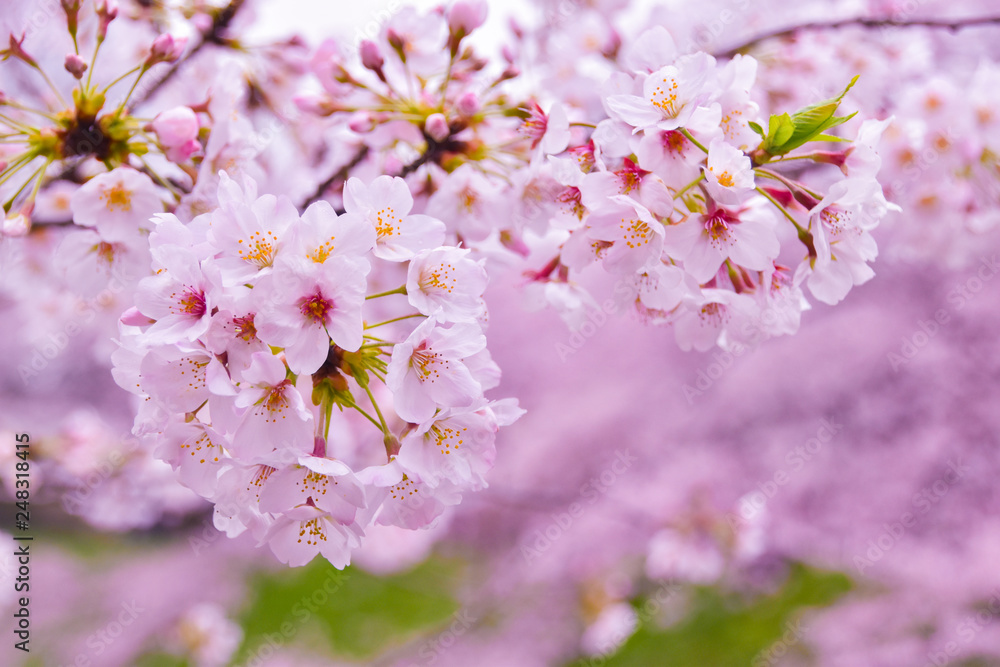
x: 683, y: 196
x: 257, y: 324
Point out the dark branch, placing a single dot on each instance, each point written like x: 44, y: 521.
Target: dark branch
x: 863, y: 23
x: 339, y: 176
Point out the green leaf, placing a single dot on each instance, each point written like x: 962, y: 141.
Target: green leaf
x: 780, y: 128
x: 829, y: 137
x: 724, y: 629
x: 349, y: 613
x: 758, y: 129
x: 806, y: 124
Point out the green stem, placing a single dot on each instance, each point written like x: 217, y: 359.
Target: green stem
x: 371, y: 397
x: 357, y: 407
x: 781, y: 208
x: 131, y: 90
x: 93, y: 61
x: 395, y: 319
x: 694, y: 141
x: 399, y: 290
x: 55, y: 90
x: 38, y: 172
x: 690, y: 185
x: 787, y: 182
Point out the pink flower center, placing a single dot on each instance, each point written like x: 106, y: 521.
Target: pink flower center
x: 189, y: 302
x: 316, y: 307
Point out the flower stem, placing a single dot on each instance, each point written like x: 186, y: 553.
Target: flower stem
x: 399, y: 290
x: 395, y: 319
x: 694, y: 141
x: 690, y: 185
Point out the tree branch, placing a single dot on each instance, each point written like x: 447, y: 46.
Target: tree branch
x: 953, y: 26
x: 341, y: 174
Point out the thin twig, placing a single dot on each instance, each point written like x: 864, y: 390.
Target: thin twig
x: 340, y: 175
x: 859, y: 22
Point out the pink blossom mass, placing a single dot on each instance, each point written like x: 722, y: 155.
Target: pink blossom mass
x: 461, y: 332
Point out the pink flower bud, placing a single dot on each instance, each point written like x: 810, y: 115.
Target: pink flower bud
x: 466, y: 15
x: 468, y: 104
x: 176, y: 126
x: 72, y: 9
x: 19, y: 224
x: 133, y: 318
x: 437, y: 127
x: 166, y: 48
x: 361, y: 122
x: 395, y: 40
x: 107, y: 11
x: 75, y: 65
x: 314, y: 104
x: 371, y: 57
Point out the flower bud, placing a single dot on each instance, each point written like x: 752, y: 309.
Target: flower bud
x: 468, y: 104
x: 361, y: 122
x: 437, y: 127
x: 75, y: 65
x: 19, y: 224
x: 176, y: 126
x: 72, y: 9
x: 107, y: 11
x: 314, y: 104
x: 371, y: 57
x: 465, y: 16
x: 166, y: 49
x: 133, y: 318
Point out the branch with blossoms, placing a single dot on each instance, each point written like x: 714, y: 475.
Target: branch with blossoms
x: 317, y: 370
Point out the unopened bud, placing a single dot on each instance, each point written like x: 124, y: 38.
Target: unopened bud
x: 315, y: 104
x: 397, y: 43
x: 361, y: 122
x: 465, y: 16
x: 72, y: 9
x: 371, y: 57
x: 19, y: 224
x: 133, y: 318
x: 468, y: 104
x: 107, y: 11
x: 437, y: 127
x: 166, y: 49
x: 75, y: 65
